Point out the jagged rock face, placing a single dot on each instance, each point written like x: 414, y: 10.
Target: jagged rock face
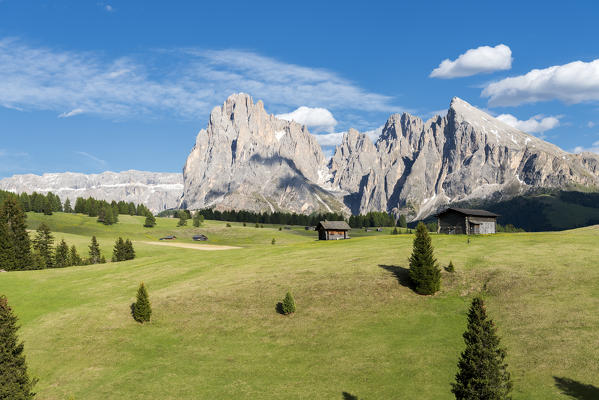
x: 417, y: 167
x: 247, y: 159
x: 158, y: 191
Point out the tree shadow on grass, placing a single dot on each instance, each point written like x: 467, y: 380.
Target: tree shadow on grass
x: 401, y: 274
x: 279, y: 308
x: 576, y: 390
x: 349, y: 396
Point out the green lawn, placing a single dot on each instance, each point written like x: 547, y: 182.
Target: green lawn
x: 358, y: 329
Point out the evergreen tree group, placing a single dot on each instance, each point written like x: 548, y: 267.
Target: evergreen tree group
x: 424, y: 271
x: 15, y: 246
x: 150, y: 221
x: 15, y: 383
x: 371, y: 219
x: 141, y: 309
x: 277, y: 217
x: 123, y: 250
x: 482, y: 371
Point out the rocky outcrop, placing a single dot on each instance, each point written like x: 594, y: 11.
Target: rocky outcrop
x: 247, y: 159
x: 158, y: 191
x: 417, y: 167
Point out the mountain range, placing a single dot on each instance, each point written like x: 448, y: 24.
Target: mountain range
x: 249, y: 159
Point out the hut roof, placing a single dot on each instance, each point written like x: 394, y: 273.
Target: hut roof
x: 334, y: 225
x: 470, y: 212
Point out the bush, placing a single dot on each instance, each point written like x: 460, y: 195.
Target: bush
x: 141, y: 309
x: 424, y: 272
x: 450, y: 267
x: 288, y: 304
x: 228, y: 225
x: 273, y: 241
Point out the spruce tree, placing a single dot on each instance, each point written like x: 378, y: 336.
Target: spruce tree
x: 141, y: 309
x: 402, y: 221
x: 198, y: 219
x: 150, y: 221
x: 67, y: 206
x: 43, y: 244
x: 94, y: 252
x: 424, y: 271
x: 61, y: 255
x: 128, y: 250
x: 118, y: 252
x: 288, y: 304
x: 74, y: 258
x: 182, y: 219
x: 15, y: 383
x: 15, y: 245
x: 482, y: 371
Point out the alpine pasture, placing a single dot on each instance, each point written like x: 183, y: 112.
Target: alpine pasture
x: 359, y: 329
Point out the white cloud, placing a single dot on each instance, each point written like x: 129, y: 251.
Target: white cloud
x: 535, y: 124
x: 91, y: 157
x: 184, y: 82
x: 571, y: 83
x: 482, y: 60
x: 71, y: 113
x: 319, y: 118
x: 335, y: 138
x: 590, y: 124
x: 593, y: 149
x: 108, y: 8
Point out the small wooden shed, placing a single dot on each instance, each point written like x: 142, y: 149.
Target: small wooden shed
x: 466, y: 221
x: 332, y: 230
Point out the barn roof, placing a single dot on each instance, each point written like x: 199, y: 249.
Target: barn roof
x: 470, y: 212
x: 334, y: 225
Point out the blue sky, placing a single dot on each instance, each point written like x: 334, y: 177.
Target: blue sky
x: 90, y: 86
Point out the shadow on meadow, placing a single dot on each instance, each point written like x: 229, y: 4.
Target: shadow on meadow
x: 576, y: 390
x: 349, y: 396
x: 401, y: 274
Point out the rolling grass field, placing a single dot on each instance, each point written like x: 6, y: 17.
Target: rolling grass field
x: 359, y: 329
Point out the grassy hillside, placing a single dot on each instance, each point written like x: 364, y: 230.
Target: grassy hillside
x: 359, y: 329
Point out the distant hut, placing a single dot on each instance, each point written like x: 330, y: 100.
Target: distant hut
x: 466, y: 221
x: 332, y: 230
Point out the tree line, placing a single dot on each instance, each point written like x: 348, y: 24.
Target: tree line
x: 276, y: 217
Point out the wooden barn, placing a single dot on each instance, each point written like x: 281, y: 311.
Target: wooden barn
x: 332, y: 230
x: 466, y: 221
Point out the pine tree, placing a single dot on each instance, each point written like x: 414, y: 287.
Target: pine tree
x: 15, y: 383
x: 43, y: 244
x: 129, y: 252
x: 61, y: 255
x: 450, y: 267
x: 424, y: 271
x: 288, y: 304
x: 198, y: 219
x: 15, y: 246
x: 182, y: 219
x: 402, y: 221
x: 67, y: 206
x: 482, y: 371
x: 141, y: 309
x: 273, y: 241
x: 395, y: 231
x: 94, y: 252
x: 118, y: 253
x: 74, y: 258
x: 150, y: 221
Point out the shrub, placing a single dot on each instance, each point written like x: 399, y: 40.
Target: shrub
x: 288, y: 304
x: 228, y: 225
x: 424, y: 272
x: 450, y: 267
x: 141, y: 309
x: 273, y: 241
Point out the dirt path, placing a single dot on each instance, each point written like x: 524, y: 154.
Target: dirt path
x: 204, y: 247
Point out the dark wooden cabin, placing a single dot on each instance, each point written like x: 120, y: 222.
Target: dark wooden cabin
x: 332, y: 230
x: 464, y: 221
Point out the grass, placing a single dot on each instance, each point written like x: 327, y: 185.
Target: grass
x: 358, y: 328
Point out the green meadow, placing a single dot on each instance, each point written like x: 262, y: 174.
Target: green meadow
x: 359, y: 329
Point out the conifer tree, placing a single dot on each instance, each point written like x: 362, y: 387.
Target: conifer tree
x: 74, y: 258
x: 482, y: 371
x: 424, y: 271
x: 198, y: 219
x: 43, y: 244
x: 182, y: 218
x: 61, y: 255
x: 94, y: 252
x: 141, y: 309
x: 15, y: 383
x: 288, y: 304
x: 15, y: 246
x: 128, y: 250
x: 67, y: 206
x: 118, y: 252
x: 150, y: 221
x: 402, y: 221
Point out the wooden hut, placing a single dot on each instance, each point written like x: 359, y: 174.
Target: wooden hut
x: 332, y: 230
x: 466, y: 221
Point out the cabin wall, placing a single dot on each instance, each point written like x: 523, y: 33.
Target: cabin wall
x: 486, y: 225
x: 452, y: 223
